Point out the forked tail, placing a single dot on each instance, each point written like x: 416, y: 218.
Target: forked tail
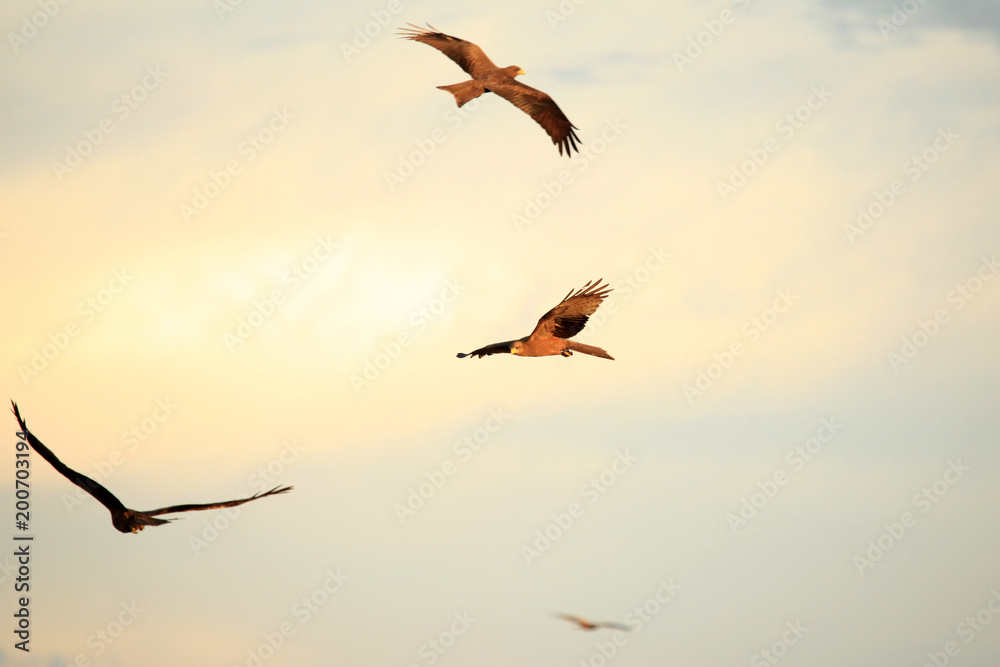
x: 465, y: 91
x: 588, y: 349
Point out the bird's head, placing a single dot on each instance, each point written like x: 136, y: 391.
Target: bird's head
x: 514, y: 70
x: 516, y: 347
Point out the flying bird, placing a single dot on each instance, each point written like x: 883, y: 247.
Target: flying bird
x: 488, y: 78
x: 588, y: 625
x: 564, y: 321
x: 124, y: 519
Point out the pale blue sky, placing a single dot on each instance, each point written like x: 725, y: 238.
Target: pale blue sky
x: 239, y: 183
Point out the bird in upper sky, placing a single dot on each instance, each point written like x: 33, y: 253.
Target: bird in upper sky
x: 124, y: 519
x: 488, y: 78
x: 550, y: 335
x: 589, y: 625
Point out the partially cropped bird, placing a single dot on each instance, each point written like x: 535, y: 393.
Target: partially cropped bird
x: 589, y: 625
x: 123, y: 518
x: 550, y: 335
x: 488, y: 78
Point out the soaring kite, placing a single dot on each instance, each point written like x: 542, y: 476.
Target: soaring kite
x: 564, y: 321
x: 124, y: 519
x: 488, y: 78
x: 588, y: 625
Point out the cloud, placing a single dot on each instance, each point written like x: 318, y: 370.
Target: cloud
x: 972, y: 16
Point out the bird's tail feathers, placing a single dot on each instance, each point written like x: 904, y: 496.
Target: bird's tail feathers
x: 465, y: 91
x: 131, y: 521
x: 588, y: 349
x: 148, y: 520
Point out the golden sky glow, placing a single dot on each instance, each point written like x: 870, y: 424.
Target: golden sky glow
x: 242, y: 243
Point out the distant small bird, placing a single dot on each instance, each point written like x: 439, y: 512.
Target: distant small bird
x: 124, y: 519
x: 488, y: 78
x: 588, y: 625
x: 564, y: 321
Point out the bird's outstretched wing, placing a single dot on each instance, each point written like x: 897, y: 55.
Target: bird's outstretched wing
x: 208, y: 506
x: 104, y: 496
x: 613, y: 626
x: 569, y: 317
x: 573, y: 619
x: 544, y: 110
x: 495, y: 348
x: 467, y: 55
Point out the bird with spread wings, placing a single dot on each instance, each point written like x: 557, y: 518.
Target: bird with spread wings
x: 124, y: 519
x: 488, y: 78
x: 550, y: 335
x: 590, y: 625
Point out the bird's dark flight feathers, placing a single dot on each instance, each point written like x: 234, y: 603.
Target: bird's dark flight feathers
x: 123, y: 518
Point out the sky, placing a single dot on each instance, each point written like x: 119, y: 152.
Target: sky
x: 242, y: 243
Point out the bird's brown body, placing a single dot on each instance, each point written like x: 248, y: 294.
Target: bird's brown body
x: 469, y: 90
x: 545, y: 347
x: 584, y: 624
x: 548, y: 347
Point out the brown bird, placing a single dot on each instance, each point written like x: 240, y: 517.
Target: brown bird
x: 564, y: 321
x: 124, y: 519
x: 488, y: 78
x: 588, y: 625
